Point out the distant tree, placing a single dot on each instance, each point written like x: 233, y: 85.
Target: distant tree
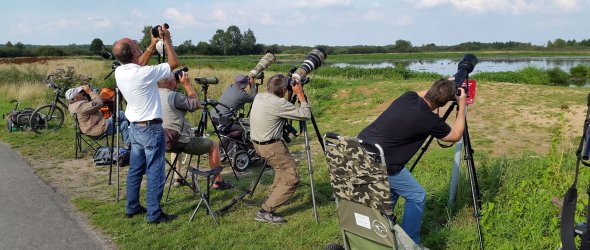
x: 233, y: 40
x: 96, y: 46
x: 186, y: 47
x: 217, y: 42
x: 402, y: 46
x: 203, y: 48
x: 558, y: 44
x: 147, y: 38
x: 248, y: 43
x: 19, y: 46
x: 8, y: 44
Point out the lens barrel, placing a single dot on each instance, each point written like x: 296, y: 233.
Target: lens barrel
x: 207, y: 80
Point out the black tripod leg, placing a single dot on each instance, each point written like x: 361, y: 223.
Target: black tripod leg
x: 243, y: 194
x: 475, y: 194
x: 222, y: 146
x: 317, y: 133
x: 310, y: 170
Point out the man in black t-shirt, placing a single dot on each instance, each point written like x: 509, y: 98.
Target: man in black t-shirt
x: 401, y: 129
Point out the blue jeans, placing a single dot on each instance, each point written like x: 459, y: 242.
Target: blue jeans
x: 147, y: 157
x: 123, y: 126
x: 405, y: 185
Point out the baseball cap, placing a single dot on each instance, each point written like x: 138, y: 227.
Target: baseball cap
x: 242, y: 81
x: 71, y: 93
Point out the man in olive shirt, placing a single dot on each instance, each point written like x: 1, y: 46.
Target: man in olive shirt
x: 269, y: 114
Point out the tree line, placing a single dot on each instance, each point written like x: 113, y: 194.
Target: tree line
x: 234, y: 42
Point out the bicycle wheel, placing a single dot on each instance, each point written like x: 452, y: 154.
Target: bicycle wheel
x: 9, y: 126
x: 46, y: 118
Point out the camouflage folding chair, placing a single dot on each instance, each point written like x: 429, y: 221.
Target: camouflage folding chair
x: 363, y: 198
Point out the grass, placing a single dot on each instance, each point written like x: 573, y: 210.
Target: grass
x: 517, y: 184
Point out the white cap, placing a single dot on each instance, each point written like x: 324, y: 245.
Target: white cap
x: 71, y: 93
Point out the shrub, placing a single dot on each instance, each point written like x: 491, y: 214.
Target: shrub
x: 558, y: 76
x: 580, y: 71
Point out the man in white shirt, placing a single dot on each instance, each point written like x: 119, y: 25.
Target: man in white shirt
x: 138, y: 84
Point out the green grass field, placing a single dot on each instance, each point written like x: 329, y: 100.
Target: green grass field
x: 524, y: 137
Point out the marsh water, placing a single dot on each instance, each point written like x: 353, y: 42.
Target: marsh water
x: 449, y: 67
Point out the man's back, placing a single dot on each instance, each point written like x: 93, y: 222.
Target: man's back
x: 139, y: 86
x: 402, y: 128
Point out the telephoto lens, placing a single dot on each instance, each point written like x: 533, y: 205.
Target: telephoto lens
x: 268, y: 59
x: 464, y: 67
x: 207, y: 80
x: 312, y: 61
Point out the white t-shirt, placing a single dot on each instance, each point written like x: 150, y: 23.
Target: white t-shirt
x: 139, y: 86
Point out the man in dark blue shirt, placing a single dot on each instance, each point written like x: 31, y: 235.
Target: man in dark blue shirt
x: 401, y: 129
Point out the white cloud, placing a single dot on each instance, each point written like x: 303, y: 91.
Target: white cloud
x: 20, y: 29
x: 567, y: 4
x: 322, y: 3
x: 101, y: 22
x: 404, y: 20
x: 63, y: 23
x: 374, y: 15
x: 179, y: 18
x: 512, y: 6
x: 136, y: 12
x: 219, y: 15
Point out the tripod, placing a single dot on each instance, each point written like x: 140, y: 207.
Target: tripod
x: 205, y: 117
x: 117, y: 130
x: 468, y: 157
x: 243, y: 194
x: 303, y: 129
x: 568, y: 231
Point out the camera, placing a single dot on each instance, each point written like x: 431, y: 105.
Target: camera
x: 155, y: 31
x: 178, y: 73
x: 465, y: 67
x: 207, y: 80
x: 312, y: 61
x: 268, y: 59
x: 288, y: 129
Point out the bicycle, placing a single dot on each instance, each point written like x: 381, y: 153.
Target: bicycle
x: 49, y: 117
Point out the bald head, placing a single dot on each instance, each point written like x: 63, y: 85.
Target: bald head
x: 123, y: 50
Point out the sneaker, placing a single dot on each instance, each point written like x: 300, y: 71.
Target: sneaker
x: 141, y: 210
x: 163, y: 218
x: 222, y: 185
x: 269, y: 218
x: 178, y: 183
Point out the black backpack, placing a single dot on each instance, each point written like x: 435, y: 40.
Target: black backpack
x: 102, y: 156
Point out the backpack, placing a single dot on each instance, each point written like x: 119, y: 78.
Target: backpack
x: 102, y: 156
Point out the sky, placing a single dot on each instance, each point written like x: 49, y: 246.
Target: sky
x: 300, y: 22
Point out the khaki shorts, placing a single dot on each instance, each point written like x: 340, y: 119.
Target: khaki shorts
x: 196, y: 146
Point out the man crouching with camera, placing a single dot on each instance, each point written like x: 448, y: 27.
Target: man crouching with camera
x: 269, y: 114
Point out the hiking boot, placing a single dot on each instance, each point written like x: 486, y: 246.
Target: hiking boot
x: 163, y: 218
x: 269, y: 218
x: 141, y: 210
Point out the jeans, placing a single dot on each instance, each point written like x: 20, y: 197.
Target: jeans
x: 147, y: 157
x: 123, y: 127
x: 405, y: 185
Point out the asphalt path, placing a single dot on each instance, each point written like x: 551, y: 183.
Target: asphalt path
x: 33, y: 215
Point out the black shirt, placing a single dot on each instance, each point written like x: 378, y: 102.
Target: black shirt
x: 403, y: 127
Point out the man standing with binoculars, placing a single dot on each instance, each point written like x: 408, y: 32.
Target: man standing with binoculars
x: 138, y: 84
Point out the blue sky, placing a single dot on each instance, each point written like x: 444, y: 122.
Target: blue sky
x: 301, y: 22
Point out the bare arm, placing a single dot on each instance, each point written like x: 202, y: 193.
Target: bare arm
x: 144, y: 59
x: 459, y: 124
x: 172, y: 59
x: 188, y: 87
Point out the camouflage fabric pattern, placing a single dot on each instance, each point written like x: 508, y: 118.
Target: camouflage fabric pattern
x: 355, y: 176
